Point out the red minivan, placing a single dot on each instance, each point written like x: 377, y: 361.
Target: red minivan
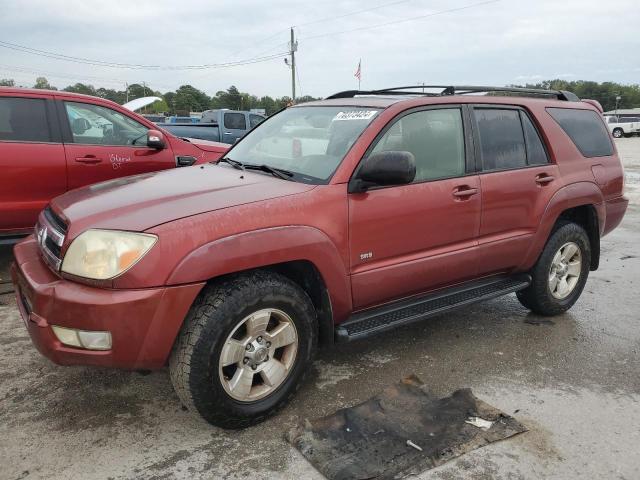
x: 52, y: 142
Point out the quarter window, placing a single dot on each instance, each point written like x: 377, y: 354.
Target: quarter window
x: 95, y: 125
x: 536, y: 154
x: 235, y: 121
x: 434, y: 137
x: 586, y: 130
x: 502, y: 144
x: 23, y: 120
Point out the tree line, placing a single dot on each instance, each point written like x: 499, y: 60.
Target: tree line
x: 190, y: 99
x: 186, y: 98
x: 605, y: 92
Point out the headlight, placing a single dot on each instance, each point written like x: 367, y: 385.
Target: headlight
x: 104, y: 254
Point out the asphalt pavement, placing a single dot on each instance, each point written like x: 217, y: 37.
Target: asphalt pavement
x: 573, y: 380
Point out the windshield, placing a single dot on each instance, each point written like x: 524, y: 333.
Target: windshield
x: 309, y: 142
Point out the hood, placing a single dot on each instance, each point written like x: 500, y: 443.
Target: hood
x: 209, y: 146
x: 140, y: 202
x: 138, y: 103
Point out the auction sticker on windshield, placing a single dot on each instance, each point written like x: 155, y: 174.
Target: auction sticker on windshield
x: 356, y: 115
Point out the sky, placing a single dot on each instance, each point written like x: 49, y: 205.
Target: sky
x: 401, y: 42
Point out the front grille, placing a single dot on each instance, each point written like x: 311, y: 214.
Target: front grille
x: 50, y: 231
x: 55, y: 220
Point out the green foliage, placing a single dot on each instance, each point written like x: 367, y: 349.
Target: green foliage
x: 43, y: 84
x: 605, y: 92
x: 185, y: 99
x: 81, y: 88
x: 7, y: 82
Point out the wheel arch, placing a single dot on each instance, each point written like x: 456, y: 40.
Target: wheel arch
x: 303, y: 254
x: 581, y: 202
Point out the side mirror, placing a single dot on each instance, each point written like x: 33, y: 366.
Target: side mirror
x: 384, y: 168
x: 155, y: 139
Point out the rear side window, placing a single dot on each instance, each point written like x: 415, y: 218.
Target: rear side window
x: 23, y: 120
x: 502, y: 144
x: 235, y: 121
x: 536, y: 154
x: 586, y: 130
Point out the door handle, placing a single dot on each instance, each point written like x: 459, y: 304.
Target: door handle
x: 543, y: 179
x: 465, y: 191
x: 89, y: 159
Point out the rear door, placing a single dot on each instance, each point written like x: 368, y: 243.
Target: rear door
x: 103, y: 143
x: 32, y: 160
x: 408, y: 239
x: 517, y: 182
x: 234, y: 126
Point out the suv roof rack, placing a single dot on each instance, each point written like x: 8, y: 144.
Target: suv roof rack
x: 458, y: 90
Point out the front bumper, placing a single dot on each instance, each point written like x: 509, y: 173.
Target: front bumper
x: 143, y: 323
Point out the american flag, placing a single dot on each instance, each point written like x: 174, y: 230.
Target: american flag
x: 358, y: 71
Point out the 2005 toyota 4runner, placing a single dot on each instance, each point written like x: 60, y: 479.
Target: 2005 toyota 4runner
x: 331, y: 221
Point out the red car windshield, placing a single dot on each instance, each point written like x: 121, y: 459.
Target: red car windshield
x: 309, y: 142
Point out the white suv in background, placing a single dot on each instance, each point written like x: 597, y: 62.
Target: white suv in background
x: 623, y: 126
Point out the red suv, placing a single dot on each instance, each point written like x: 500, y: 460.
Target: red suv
x: 52, y: 142
x: 330, y: 221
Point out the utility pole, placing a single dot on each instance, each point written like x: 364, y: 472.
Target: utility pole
x: 293, y: 46
x: 126, y: 88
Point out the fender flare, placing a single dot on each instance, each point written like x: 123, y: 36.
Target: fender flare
x: 267, y: 247
x: 570, y: 196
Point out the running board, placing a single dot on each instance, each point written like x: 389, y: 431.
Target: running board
x: 389, y: 316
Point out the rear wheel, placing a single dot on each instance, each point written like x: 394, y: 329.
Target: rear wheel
x: 560, y: 273
x: 244, y: 349
x: 618, y: 132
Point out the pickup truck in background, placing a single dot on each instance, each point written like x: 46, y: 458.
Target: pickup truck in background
x: 225, y: 126
x: 52, y: 142
x: 622, y: 126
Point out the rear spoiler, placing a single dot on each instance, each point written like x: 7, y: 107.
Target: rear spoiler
x: 595, y: 103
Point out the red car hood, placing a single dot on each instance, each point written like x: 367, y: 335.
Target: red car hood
x: 140, y: 202
x: 209, y: 146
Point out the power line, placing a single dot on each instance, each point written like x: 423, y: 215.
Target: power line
x: 402, y: 20
x: 337, y: 17
x: 87, y: 61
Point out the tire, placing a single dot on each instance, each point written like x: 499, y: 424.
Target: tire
x: 539, y: 296
x: 235, y: 311
x: 618, y: 133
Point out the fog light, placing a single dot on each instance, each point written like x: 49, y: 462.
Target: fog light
x: 83, y: 338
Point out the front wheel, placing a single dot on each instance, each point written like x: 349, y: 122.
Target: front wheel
x: 618, y: 133
x: 244, y: 349
x: 559, y: 275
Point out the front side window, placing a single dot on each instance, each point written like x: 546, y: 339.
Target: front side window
x: 235, y: 121
x: 96, y: 125
x: 434, y: 137
x: 501, y: 138
x: 585, y: 129
x: 23, y: 120
x: 308, y: 141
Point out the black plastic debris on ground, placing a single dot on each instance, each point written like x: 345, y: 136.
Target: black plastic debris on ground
x: 402, y: 431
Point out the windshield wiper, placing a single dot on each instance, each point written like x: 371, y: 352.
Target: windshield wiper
x: 234, y: 163
x: 276, y: 172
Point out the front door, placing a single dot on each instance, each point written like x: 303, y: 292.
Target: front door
x: 410, y: 239
x: 517, y: 183
x: 103, y: 143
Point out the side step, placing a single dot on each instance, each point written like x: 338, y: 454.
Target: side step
x: 389, y: 316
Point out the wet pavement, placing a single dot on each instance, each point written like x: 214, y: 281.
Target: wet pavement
x: 573, y: 380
